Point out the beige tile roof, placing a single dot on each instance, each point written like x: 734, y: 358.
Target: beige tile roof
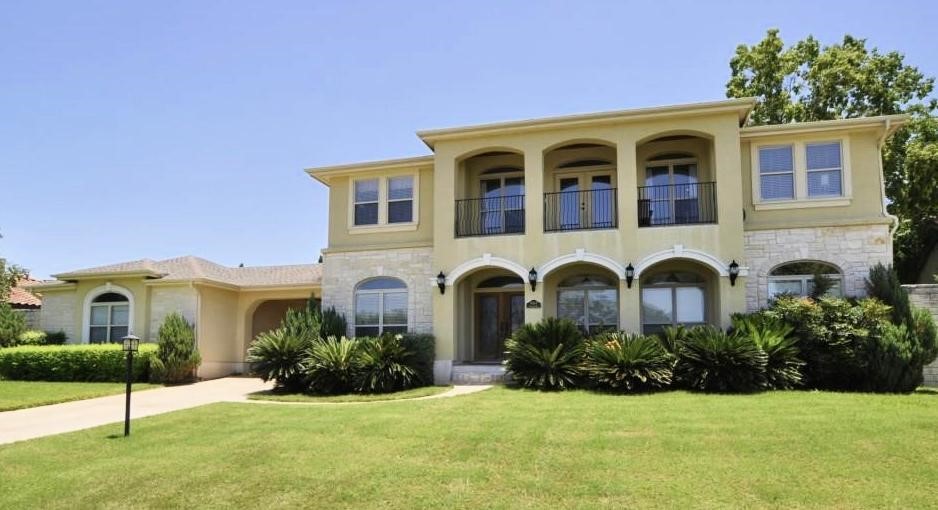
x: 194, y: 268
x: 21, y: 297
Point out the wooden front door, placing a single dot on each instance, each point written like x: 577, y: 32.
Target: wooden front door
x: 498, y: 315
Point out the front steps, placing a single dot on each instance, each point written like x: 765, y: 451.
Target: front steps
x: 489, y: 373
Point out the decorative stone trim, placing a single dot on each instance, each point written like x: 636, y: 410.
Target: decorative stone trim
x: 343, y: 271
x: 853, y: 249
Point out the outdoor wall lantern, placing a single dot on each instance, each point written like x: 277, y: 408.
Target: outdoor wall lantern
x: 441, y: 282
x: 734, y: 272
x: 532, y: 279
x: 131, y: 345
x: 629, y: 275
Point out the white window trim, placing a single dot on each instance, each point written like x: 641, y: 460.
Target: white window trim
x: 383, y: 225
x: 804, y: 279
x: 90, y: 297
x: 381, y: 293
x: 801, y: 198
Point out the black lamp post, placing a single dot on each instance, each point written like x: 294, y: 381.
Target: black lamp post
x: 441, y: 282
x: 131, y: 344
x: 629, y: 275
x: 734, y: 272
x: 532, y: 279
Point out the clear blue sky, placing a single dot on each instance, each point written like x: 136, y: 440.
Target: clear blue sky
x: 157, y: 129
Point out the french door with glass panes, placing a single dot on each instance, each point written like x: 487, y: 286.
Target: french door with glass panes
x: 502, y: 206
x: 671, y: 192
x: 586, y: 200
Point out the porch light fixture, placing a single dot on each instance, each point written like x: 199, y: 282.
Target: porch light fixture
x: 734, y: 272
x: 441, y: 282
x: 532, y: 279
x: 130, y: 345
x: 629, y: 275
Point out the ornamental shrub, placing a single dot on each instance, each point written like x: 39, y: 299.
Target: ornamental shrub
x: 333, y: 366
x: 280, y: 356
x: 177, y: 356
x: 547, y: 355
x: 783, y: 366
x: 56, y: 337
x: 883, y: 284
x: 715, y: 361
x: 386, y: 365
x: 89, y: 363
x: 625, y: 362
x: 32, y: 337
x: 332, y: 323
x: 423, y: 346
x: 12, y: 325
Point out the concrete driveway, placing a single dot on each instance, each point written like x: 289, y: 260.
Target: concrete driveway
x: 83, y: 414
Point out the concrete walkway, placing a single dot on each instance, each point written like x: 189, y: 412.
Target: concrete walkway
x: 84, y: 414
x: 54, y: 419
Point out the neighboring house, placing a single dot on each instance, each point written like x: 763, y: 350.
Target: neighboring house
x: 634, y: 219
x: 25, y: 302
x: 227, y: 305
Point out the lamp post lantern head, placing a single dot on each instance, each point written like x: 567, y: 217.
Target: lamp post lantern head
x: 441, y: 282
x: 130, y: 343
x: 532, y: 278
x: 734, y: 272
x: 629, y: 275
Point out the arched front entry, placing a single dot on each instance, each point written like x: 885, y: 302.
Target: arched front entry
x: 490, y: 307
x: 678, y: 292
x: 269, y: 314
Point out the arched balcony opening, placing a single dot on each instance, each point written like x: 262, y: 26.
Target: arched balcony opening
x: 580, y: 187
x: 676, y: 180
x: 490, y: 194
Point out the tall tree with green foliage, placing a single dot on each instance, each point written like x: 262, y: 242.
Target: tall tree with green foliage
x: 807, y: 81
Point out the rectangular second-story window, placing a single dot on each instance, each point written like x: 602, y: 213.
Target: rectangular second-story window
x: 401, y: 199
x: 777, y: 172
x: 366, y: 202
x: 825, y: 170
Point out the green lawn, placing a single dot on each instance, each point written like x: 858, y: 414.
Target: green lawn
x: 22, y: 394
x: 299, y: 397
x: 500, y: 449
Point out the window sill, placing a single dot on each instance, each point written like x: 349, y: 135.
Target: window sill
x: 803, y: 203
x: 388, y: 227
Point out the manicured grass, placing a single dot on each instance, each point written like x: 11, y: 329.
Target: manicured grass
x: 23, y: 394
x: 299, y: 397
x: 500, y: 448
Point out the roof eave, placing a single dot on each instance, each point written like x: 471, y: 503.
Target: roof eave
x: 324, y: 173
x: 891, y: 122
x: 109, y: 274
x: 742, y: 106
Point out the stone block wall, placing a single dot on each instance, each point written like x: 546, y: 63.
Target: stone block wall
x: 343, y: 271
x: 166, y: 300
x: 926, y: 296
x: 59, y: 312
x: 854, y: 249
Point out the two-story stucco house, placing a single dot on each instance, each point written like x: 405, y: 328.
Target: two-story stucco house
x: 633, y: 219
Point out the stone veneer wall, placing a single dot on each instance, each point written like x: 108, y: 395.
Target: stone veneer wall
x: 854, y: 249
x: 926, y: 296
x: 166, y: 300
x: 58, y: 313
x: 343, y: 271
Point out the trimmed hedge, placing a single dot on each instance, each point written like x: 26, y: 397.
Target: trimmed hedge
x: 90, y: 363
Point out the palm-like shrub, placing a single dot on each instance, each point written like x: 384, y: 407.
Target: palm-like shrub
x: 333, y: 366
x: 279, y: 356
x: 546, y: 355
x: 715, y: 361
x: 177, y: 357
x: 783, y: 366
x: 671, y: 339
x: 386, y: 365
x: 625, y: 362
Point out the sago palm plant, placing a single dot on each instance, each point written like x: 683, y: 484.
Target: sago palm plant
x: 712, y: 360
x: 279, y: 356
x: 783, y: 364
x: 625, y: 362
x: 546, y: 356
x: 333, y: 366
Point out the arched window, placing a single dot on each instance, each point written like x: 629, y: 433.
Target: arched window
x: 671, y: 298
x: 380, y: 307
x: 797, y: 278
x: 109, y: 318
x: 592, y: 301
